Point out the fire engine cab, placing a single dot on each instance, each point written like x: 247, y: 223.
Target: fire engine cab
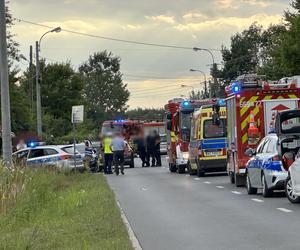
x: 178, y: 122
x: 252, y: 105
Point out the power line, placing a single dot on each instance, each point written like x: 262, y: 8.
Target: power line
x: 111, y: 38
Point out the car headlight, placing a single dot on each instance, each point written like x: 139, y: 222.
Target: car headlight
x: 185, y: 155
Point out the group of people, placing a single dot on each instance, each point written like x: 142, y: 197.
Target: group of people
x: 149, y: 149
x: 113, y: 147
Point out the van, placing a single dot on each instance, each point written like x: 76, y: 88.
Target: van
x: 208, y: 145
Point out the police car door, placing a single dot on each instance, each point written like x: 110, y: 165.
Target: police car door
x: 255, y: 176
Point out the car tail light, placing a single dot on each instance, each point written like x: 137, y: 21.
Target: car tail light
x: 66, y: 157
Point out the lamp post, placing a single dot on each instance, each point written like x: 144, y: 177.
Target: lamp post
x: 204, y: 75
x: 38, y: 81
x: 213, y: 67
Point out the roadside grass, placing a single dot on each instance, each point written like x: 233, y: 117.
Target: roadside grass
x: 58, y: 211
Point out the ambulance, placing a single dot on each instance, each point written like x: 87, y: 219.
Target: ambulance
x: 252, y: 105
x: 178, y: 123
x: 208, y: 145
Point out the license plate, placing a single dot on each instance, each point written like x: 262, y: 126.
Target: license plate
x: 213, y: 153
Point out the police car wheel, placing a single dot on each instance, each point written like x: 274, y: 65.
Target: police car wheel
x: 289, y: 191
x: 266, y: 192
x: 250, y: 189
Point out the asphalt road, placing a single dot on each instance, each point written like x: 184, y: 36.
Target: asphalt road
x: 171, y: 211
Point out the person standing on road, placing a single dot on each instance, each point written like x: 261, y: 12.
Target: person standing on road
x: 141, y: 149
x: 157, y: 148
x: 118, y: 146
x: 150, y: 140
x: 108, y: 154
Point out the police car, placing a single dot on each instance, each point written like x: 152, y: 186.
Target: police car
x: 265, y: 170
x: 61, y: 157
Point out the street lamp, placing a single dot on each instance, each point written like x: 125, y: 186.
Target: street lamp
x: 214, y: 66
x: 38, y: 81
x: 204, y: 75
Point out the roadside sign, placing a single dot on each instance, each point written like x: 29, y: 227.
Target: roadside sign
x: 77, y: 114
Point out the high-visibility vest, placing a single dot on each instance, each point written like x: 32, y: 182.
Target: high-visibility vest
x: 107, y: 142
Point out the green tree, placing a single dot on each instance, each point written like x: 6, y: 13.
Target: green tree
x: 242, y: 57
x: 148, y: 114
x: 62, y: 87
x: 105, y: 93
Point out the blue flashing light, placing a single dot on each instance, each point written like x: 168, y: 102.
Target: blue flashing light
x: 236, y: 88
x: 119, y: 121
x: 32, y: 144
x: 185, y: 104
x: 221, y: 102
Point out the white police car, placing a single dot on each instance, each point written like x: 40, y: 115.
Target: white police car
x: 265, y: 170
x: 61, y: 157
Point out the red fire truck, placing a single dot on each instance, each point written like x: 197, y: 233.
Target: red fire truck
x: 178, y: 122
x: 252, y: 105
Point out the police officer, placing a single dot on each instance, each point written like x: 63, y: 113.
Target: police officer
x: 108, y: 154
x: 157, y: 148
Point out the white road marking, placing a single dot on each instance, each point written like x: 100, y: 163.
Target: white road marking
x: 135, y: 242
x: 236, y: 192
x: 187, y: 175
x: 220, y: 187
x: 196, y: 179
x: 257, y: 200
x: 163, y: 167
x: 144, y: 189
x: 284, y: 210
x: 207, y: 182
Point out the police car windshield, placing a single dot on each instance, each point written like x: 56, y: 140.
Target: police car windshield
x: 69, y: 149
x: 214, y: 131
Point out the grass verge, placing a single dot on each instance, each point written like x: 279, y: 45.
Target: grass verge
x: 58, y: 211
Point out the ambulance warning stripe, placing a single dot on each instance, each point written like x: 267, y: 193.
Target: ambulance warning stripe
x: 245, y: 112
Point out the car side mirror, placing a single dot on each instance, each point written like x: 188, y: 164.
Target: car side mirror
x: 250, y: 152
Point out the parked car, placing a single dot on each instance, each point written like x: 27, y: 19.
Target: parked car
x: 265, y: 170
x: 61, y: 157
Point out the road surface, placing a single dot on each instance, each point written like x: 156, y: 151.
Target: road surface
x: 171, y: 211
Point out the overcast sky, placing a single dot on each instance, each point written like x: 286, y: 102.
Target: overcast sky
x: 154, y: 75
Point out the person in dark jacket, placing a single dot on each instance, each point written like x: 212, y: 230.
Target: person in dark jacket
x: 157, y: 148
x: 141, y: 150
x: 150, y: 142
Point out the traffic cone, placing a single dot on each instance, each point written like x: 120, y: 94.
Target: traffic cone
x: 253, y: 131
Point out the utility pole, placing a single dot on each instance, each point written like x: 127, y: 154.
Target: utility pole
x: 31, y: 77
x: 38, y: 92
x: 5, y: 101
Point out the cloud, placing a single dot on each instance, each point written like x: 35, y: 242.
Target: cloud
x: 162, y: 19
x: 238, y: 4
x: 194, y: 16
x: 238, y: 22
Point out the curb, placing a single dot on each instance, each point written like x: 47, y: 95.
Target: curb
x: 135, y: 242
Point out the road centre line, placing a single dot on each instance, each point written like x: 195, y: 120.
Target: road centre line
x: 196, y: 179
x: 236, y: 192
x: 257, y: 200
x: 284, y: 210
x: 207, y: 182
x: 220, y: 187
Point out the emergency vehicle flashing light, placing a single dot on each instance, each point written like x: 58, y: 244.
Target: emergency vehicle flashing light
x: 236, y: 88
x: 185, y: 104
x: 221, y: 102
